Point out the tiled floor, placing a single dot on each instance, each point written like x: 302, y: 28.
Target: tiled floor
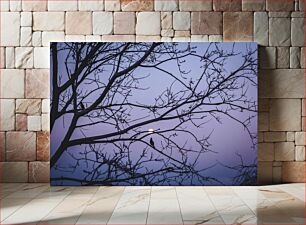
x: 41, y: 204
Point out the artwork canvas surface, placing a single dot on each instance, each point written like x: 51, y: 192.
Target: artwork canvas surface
x: 153, y: 113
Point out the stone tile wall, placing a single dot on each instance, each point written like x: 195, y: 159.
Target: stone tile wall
x: 27, y: 27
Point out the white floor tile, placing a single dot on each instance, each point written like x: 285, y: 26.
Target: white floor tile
x: 132, y: 207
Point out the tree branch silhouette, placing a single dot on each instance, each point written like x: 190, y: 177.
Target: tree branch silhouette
x: 93, y: 85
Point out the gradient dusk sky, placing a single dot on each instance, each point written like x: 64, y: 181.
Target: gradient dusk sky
x: 226, y: 138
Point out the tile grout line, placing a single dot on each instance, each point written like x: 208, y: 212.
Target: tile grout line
x: 54, y: 207
x: 149, y: 205
x: 214, y: 205
x: 21, y: 207
x: 30, y: 199
x: 93, y: 195
x: 178, y: 201
x: 116, y: 205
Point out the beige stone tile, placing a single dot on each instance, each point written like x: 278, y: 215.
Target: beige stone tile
x: 206, y: 23
x: 26, y: 19
x: 25, y: 36
x: 10, y: 57
x: 264, y: 173
x: 260, y: 137
x: 5, y: 5
x: 28, y: 106
x: 34, y: 5
x: 52, y: 36
x: 75, y: 38
x: 253, y: 5
x: 21, y: 146
x: 37, y: 39
x: 215, y: 38
x: 45, y: 122
x: 62, y: 5
x: 199, y: 38
x: 261, y: 28
x: 43, y: 146
x: 10, y: 29
x: 21, y: 122
x: 300, y: 153
x: 45, y: 106
x: 34, y: 123
x: 93, y: 38
x: 91, y: 5
x: 231, y: 5
x: 143, y: 38
x: 285, y: 115
x: 14, y: 172
x: 37, y: 83
x: 297, y: 32
x: 170, y: 5
x: 24, y: 57
x: 181, y: 21
x: 166, y: 39
x: 182, y: 33
x: 166, y: 20
x: 263, y: 121
x: 105, y: 18
x: 238, y: 26
x: 284, y: 151
x: 137, y: 5
x: 7, y: 114
x: 265, y: 152
x: 282, y: 5
x: 141, y: 26
x: 167, y: 33
x: 48, y: 21
x: 282, y: 83
x: 274, y: 136
x: 267, y: 57
x: 111, y: 38
x: 283, y: 57
x: 124, y: 22
x: 300, y: 138
x: 203, y: 5
x: 290, y: 136
x: 78, y: 23
x: 12, y: 83
x: 39, y: 172
x: 295, y: 57
x: 181, y: 39
x: 279, y: 32
x: 277, y: 174
x: 279, y: 14
x: 41, y: 57
x: 112, y: 5
x: 263, y: 105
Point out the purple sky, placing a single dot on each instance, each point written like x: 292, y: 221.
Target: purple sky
x: 227, y: 138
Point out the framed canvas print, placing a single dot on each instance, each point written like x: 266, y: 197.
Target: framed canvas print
x: 153, y: 113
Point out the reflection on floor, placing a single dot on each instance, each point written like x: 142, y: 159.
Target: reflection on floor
x: 42, y: 204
